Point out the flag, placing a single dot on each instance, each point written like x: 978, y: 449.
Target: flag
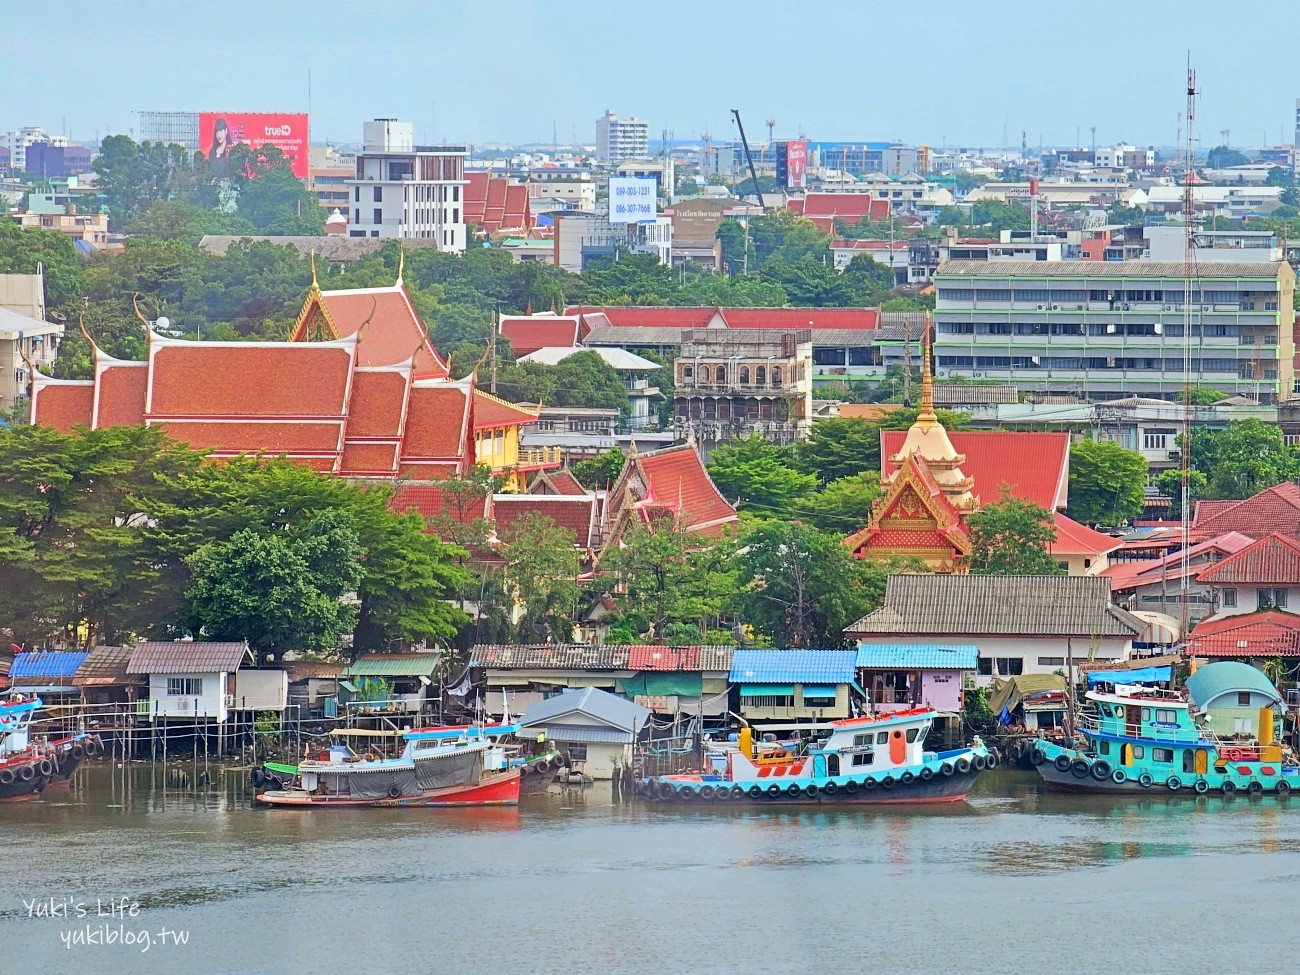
x: 1005, y: 716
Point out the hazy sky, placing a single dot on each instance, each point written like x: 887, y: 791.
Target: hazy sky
x: 509, y: 69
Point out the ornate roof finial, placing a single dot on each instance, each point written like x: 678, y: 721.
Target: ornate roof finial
x: 315, y: 285
x: 136, y: 305
x: 631, y: 444
x: 401, y: 265
x: 94, y: 349
x: 927, y: 414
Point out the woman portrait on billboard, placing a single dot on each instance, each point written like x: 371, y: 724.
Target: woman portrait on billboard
x: 219, y: 154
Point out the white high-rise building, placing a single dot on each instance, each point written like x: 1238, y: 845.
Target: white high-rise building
x: 18, y: 141
x: 405, y: 190
x: 618, y: 139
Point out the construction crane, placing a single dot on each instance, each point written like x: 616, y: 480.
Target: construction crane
x: 749, y: 158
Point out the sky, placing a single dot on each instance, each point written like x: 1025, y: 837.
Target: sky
x: 475, y: 71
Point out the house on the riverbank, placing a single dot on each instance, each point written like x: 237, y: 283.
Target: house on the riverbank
x: 595, y: 728
x: 48, y: 673
x: 390, y: 684
x: 898, y: 676
x: 189, y: 681
x: 794, y: 685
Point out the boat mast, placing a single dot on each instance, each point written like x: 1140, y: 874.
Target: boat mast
x: 1189, y: 273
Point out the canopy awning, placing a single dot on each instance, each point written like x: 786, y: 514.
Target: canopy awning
x: 1160, y: 629
x: 1007, y: 694
x: 766, y: 690
x: 1145, y: 675
x: 819, y: 690
x: 666, y: 684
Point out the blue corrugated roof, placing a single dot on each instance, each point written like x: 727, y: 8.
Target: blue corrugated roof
x: 46, y: 663
x: 793, y: 666
x: 920, y: 656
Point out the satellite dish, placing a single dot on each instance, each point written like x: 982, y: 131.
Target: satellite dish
x: 163, y: 321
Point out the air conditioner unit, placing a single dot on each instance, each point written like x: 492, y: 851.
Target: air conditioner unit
x: 977, y: 375
x: 1042, y: 308
x: 1078, y: 307
x: 1125, y: 307
x: 1056, y: 308
x: 1166, y: 307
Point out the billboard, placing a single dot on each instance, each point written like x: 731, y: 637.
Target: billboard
x: 220, y: 131
x: 632, y: 199
x: 792, y: 164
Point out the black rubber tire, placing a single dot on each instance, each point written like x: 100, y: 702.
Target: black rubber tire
x: 869, y: 784
x: 773, y: 791
x: 1062, y: 763
x: 887, y: 782
x: 78, y: 752
x: 737, y: 792
x: 722, y: 794
x: 6, y: 777
x: 394, y: 792
x: 1037, y: 756
x: 793, y: 790
x: 1283, y: 787
x: 1079, y: 768
x: 993, y: 760
x: 542, y: 767
x: 1255, y: 788
x: 1101, y: 770
x: 256, y: 777
x: 946, y: 768
x: 1173, y: 783
x: 755, y: 791
x: 851, y: 786
x: 686, y: 793
x: 811, y: 791
x: 1119, y: 776
x: 1229, y: 787
x: 830, y: 788
x: 46, y: 767
x: 907, y: 778
x: 93, y: 747
x: 979, y: 763
x: 666, y: 791
x: 26, y: 773
x: 1200, y: 787
x: 1146, y: 780
x: 963, y: 765
x: 926, y: 774
x: 706, y: 792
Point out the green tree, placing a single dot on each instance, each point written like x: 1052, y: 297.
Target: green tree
x: 1170, y: 484
x: 582, y: 379
x: 1242, y: 459
x: 760, y: 474
x: 271, y: 197
x: 542, y: 568
x: 1011, y: 537
x: 800, y: 587
x: 670, y: 577
x: 279, y: 591
x: 600, y: 471
x: 839, y: 447
x: 24, y: 249
x: 842, y: 507
x: 1223, y: 157
x: 1107, y: 482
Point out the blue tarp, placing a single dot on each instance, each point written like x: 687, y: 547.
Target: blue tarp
x: 1147, y: 675
x: 42, y: 664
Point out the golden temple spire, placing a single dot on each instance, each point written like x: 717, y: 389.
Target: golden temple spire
x: 401, y: 265
x: 927, y: 414
x: 315, y: 285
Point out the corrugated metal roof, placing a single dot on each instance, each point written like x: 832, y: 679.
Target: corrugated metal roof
x: 1225, y: 677
x: 308, y: 669
x: 186, y: 657
x: 563, y: 656
x: 1102, y: 269
x: 920, y: 656
x: 693, y: 658
x: 798, y: 666
x: 105, y: 666
x: 607, y: 709
x: 395, y: 665
x: 1022, y: 606
x: 593, y: 736
x: 45, y: 664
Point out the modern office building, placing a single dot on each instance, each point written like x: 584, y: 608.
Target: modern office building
x: 405, y: 190
x: 1099, y: 329
x: 618, y: 140
x: 18, y: 140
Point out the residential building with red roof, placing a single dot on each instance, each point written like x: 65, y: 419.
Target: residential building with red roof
x: 1253, y: 637
x: 1263, y: 575
x: 358, y: 391
x: 1155, y: 585
x: 1275, y: 509
x: 824, y: 209
x: 528, y: 333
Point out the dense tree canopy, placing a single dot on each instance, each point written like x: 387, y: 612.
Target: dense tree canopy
x: 1245, y: 458
x: 1011, y: 537
x: 760, y: 475
x: 1107, y: 482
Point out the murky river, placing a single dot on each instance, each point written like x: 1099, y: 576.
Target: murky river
x: 1015, y: 881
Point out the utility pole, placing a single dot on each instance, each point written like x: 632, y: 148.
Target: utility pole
x: 907, y: 362
x: 492, y: 345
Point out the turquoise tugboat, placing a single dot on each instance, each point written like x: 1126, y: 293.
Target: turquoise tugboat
x: 1222, y: 737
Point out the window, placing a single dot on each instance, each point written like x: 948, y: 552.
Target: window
x: 1051, y: 661
x: 864, y: 758
x: 911, y: 734
x: 1167, y: 716
x: 771, y: 701
x: 378, y: 216
x: 985, y: 666
x: 1279, y: 598
x: 689, y: 371
x: 744, y: 375
x: 1264, y: 598
x: 379, y: 194
x: 1146, y: 714
x: 192, y: 687
x: 860, y: 741
x: 577, y: 750
x: 1243, y: 699
x: 882, y: 737
x: 1139, y: 752
x: 1165, y: 756
x: 760, y: 376
x: 1229, y: 598
x: 818, y: 701
x: 1011, y: 666
x: 1103, y: 747
x: 1156, y: 439
x: 356, y: 193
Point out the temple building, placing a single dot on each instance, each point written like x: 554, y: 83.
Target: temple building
x: 357, y: 391
x: 932, y: 480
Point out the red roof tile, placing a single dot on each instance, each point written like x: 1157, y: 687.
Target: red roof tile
x: 664, y: 658
x: 491, y: 412
x: 1274, y: 559
x: 856, y: 319
x: 430, y: 499
x: 437, y: 422
x: 1035, y: 466
x: 576, y: 514
x: 1267, y: 633
x: 528, y: 333
x: 289, y: 437
x: 1276, y: 509
x: 122, y: 390
x: 845, y: 206
x: 1073, y: 538
x: 394, y: 334
x: 202, y: 379
x: 556, y: 482
x: 369, y: 458
x: 635, y: 316
x: 675, y: 478
x: 375, y: 409
x: 494, y: 203
x: 1130, y: 575
x: 63, y: 405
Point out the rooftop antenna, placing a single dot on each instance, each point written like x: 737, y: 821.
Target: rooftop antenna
x: 1189, y: 271
x: 771, y: 129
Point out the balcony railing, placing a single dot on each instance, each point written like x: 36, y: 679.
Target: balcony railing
x: 537, y: 457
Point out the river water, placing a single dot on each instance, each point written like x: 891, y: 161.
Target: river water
x: 1016, y: 880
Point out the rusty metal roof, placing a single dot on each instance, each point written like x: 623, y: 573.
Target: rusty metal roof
x: 106, y: 666
x: 186, y: 657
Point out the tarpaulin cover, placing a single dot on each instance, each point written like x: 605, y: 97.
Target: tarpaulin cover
x: 767, y: 690
x: 1007, y: 694
x: 1147, y: 675
x: 656, y: 684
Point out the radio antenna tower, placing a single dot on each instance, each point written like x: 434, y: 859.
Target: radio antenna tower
x: 1189, y: 275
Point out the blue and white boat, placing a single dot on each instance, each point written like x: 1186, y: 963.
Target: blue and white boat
x: 25, y: 768
x: 868, y: 760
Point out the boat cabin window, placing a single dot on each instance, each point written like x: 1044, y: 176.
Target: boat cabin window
x: 1243, y: 699
x: 1167, y: 715
x: 1146, y: 714
x: 1165, y: 756
x: 1103, y: 748
x: 864, y: 758
x: 863, y: 740
x: 882, y: 737
x: 1139, y: 751
x: 1104, y: 708
x: 911, y: 734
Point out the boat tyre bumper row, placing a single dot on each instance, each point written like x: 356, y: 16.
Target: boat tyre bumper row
x: 924, y: 779
x: 1082, y: 768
